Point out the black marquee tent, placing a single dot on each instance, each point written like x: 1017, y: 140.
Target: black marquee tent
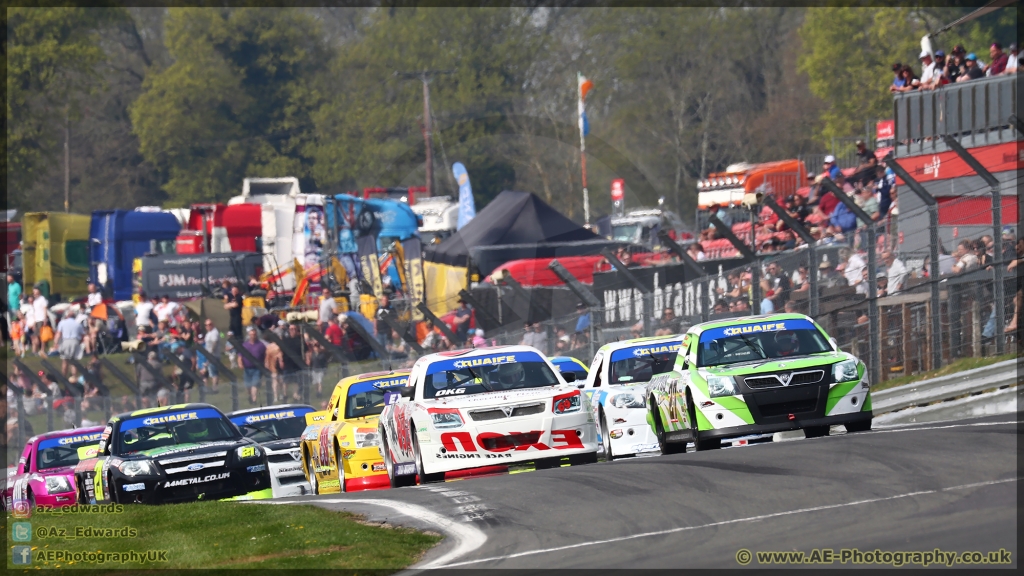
x: 515, y: 225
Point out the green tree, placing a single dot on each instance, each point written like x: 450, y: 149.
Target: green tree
x: 52, y: 54
x: 235, y: 102
x: 847, y: 55
x: 368, y: 133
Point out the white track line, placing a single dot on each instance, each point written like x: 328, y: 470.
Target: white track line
x: 466, y: 536
x: 915, y: 427
x: 722, y: 523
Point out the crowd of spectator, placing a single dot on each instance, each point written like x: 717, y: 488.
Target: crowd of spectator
x: 960, y: 66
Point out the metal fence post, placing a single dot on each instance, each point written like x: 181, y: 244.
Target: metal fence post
x: 749, y: 254
x: 875, y: 338
x: 998, y: 297
x: 646, y: 294
x: 933, y: 238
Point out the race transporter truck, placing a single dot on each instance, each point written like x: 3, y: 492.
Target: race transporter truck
x: 757, y: 375
x: 278, y: 430
x: 174, y: 453
x: 471, y: 408
x: 617, y: 385
x: 339, y: 450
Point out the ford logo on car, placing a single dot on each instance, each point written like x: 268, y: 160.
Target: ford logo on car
x: 194, y: 467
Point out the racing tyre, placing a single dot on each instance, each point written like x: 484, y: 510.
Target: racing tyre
x: 816, y: 431
x: 659, y: 431
x: 581, y: 459
x: 699, y: 444
x: 314, y: 484
x: 341, y: 468
x: 113, y: 489
x: 606, y: 439
x: 395, y: 481
x: 424, y: 477
x: 862, y: 426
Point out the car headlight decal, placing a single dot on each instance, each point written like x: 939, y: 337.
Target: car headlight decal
x: 57, y: 485
x: 845, y: 371
x: 446, y: 418
x: 721, y: 386
x: 567, y: 403
x: 628, y: 400
x: 134, y: 468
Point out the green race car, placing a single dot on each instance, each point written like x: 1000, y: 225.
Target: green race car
x: 756, y: 375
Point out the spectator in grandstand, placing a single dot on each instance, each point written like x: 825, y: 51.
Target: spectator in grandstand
x: 853, y: 266
x: 780, y: 284
x: 866, y: 163
x: 954, y: 65
x: 463, y: 318
x: 479, y: 341
x: 94, y: 297
x: 897, y: 79
x: 788, y: 240
x: 937, y: 74
x: 927, y: 67
x: 741, y: 305
x: 695, y: 251
x: 70, y: 334
x: 830, y: 168
x: 883, y: 284
x: 910, y: 81
x: 827, y: 275
x: 966, y: 260
x: 1011, y: 60
x: 972, y: 70
x: 767, y: 306
x: 668, y: 324
x: 999, y: 60
x: 790, y: 307
x: 842, y: 220
x: 896, y: 272
x: 1009, y: 240
x: 865, y: 198
x: 801, y: 279
x: 721, y: 307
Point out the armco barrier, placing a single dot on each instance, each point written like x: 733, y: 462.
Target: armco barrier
x: 947, y: 387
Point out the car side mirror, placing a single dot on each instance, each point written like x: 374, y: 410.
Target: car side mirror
x: 407, y: 392
x: 833, y: 341
x: 569, y: 376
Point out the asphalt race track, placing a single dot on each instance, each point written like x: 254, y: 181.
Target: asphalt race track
x: 950, y: 485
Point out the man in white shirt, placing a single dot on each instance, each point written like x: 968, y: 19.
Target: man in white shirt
x: 328, y: 309
x: 167, y: 311
x: 897, y: 272
x: 855, y: 266
x: 69, y: 335
x: 927, y: 66
x: 40, y: 307
x: 95, y: 298
x: 142, y: 311
x: 211, y: 342
x: 965, y: 258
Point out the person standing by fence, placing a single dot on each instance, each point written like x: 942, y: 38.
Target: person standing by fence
x: 251, y: 371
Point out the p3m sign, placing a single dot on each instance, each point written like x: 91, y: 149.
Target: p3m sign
x: 488, y: 443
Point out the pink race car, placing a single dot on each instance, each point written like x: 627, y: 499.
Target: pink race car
x: 45, y: 475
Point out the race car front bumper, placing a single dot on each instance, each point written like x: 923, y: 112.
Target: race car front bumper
x: 286, y: 475
x: 629, y: 431
x: 736, y: 431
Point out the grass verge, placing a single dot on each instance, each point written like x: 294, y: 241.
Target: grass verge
x: 952, y: 368
x: 228, y: 535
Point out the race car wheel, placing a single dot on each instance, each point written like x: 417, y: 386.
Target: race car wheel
x: 112, y: 489
x: 341, y: 468
x: 424, y: 477
x: 581, y: 459
x: 314, y: 484
x: 659, y: 431
x: 862, y: 426
x: 606, y: 439
x: 396, y: 481
x: 699, y: 444
x: 816, y: 431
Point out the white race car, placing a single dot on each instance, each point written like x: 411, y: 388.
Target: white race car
x: 490, y: 406
x: 616, y: 386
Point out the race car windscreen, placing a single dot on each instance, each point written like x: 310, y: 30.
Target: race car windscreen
x: 63, y: 451
x: 754, y: 342
x: 171, y: 428
x: 641, y: 363
x: 367, y: 398
x: 273, y: 424
x: 491, y: 373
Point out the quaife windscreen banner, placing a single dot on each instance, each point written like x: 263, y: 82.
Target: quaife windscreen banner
x: 158, y: 418
x: 643, y: 351
x: 756, y: 328
x: 267, y: 415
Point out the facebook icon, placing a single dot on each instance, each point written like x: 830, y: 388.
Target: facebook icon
x: 21, y: 555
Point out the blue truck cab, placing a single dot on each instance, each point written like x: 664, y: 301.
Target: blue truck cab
x: 118, y: 237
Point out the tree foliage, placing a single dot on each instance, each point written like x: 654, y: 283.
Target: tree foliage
x: 235, y: 102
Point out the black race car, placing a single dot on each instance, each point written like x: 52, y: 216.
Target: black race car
x: 278, y: 430
x: 173, y: 454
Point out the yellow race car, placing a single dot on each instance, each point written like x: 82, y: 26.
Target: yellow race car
x: 339, y: 445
